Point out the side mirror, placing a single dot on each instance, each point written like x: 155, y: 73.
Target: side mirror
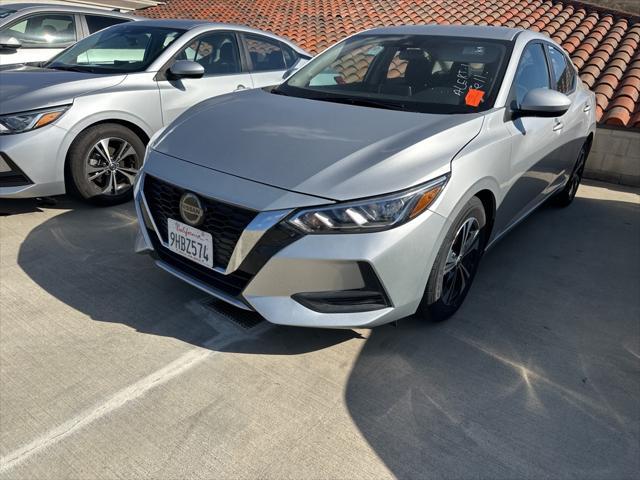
x: 543, y: 102
x: 9, y: 43
x: 186, y: 69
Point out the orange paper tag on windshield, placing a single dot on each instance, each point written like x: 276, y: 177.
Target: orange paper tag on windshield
x: 474, y: 97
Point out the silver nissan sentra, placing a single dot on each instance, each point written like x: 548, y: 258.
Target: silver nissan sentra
x: 79, y: 123
x: 367, y: 186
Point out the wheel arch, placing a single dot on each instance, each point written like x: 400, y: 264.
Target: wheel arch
x: 488, y: 200
x: 589, y: 142
x: 139, y: 131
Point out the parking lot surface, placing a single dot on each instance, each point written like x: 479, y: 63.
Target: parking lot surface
x: 111, y: 368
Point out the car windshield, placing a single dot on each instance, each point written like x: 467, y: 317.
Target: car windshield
x: 124, y: 48
x: 419, y: 73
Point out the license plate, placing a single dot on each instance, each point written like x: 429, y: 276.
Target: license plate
x: 190, y: 242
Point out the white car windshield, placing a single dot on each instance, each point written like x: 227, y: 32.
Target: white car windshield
x: 421, y: 73
x: 122, y: 48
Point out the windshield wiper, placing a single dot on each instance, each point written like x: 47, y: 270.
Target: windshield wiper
x: 72, y: 68
x: 364, y: 102
x: 277, y: 91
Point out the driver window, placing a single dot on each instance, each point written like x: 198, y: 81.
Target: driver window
x: 563, y: 73
x: 217, y: 53
x: 48, y: 30
x: 532, y: 72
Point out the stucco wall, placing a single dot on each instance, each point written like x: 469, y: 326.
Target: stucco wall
x: 615, y: 157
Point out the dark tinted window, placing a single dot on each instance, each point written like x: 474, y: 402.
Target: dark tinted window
x: 98, y: 22
x: 563, y: 73
x: 266, y: 54
x: 46, y: 30
x: 532, y: 71
x: 216, y: 52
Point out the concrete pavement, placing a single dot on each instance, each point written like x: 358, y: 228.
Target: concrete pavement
x: 110, y: 368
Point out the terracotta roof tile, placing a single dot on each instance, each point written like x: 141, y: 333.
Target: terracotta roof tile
x: 630, y: 91
x: 604, y: 44
x: 617, y: 116
x: 604, y: 90
x: 623, y: 102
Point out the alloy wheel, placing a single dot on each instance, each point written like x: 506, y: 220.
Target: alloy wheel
x: 112, y: 166
x: 462, y: 261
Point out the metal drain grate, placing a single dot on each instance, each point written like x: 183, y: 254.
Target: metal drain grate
x: 242, y: 318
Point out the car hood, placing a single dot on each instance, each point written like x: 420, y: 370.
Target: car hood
x: 29, y: 88
x: 318, y: 148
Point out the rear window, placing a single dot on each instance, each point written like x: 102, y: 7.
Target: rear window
x: 266, y: 54
x: 417, y: 72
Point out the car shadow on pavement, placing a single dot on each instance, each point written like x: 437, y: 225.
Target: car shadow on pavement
x: 10, y: 207
x: 84, y: 257
x: 537, y: 376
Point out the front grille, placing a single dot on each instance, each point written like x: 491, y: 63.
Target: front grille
x: 223, y: 221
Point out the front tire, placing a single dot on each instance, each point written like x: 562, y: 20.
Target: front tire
x: 456, y: 264
x: 103, y: 163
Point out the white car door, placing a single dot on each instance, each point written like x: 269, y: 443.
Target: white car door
x: 218, y: 52
x: 537, y: 143
x: 268, y: 59
x: 42, y: 36
x: 575, y: 122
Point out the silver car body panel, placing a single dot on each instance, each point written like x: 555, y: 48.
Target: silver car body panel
x: 224, y: 187
x: 138, y: 99
x: 289, y: 140
x: 321, y: 262
x: 252, y: 234
x: 321, y: 151
x: 33, y: 88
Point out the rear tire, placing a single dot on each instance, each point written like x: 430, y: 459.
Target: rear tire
x: 103, y: 162
x: 565, y: 197
x: 456, y: 264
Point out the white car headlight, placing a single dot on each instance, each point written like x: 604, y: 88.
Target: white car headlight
x: 25, y: 121
x: 368, y: 215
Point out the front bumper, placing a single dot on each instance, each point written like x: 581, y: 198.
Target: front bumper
x: 32, y: 163
x: 396, y: 263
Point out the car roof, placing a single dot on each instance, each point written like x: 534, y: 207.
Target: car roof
x: 183, y: 23
x: 469, y: 31
x: 187, y: 24
x: 55, y: 7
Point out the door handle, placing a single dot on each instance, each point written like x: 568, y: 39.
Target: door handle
x: 587, y: 108
x: 558, y: 126
x: 240, y: 87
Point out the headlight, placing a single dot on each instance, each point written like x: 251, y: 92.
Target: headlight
x: 25, y: 121
x: 369, y: 215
